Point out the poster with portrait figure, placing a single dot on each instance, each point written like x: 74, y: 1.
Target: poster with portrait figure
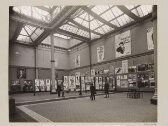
x: 97, y: 82
x: 118, y: 70
x: 37, y: 85
x: 77, y: 78
x: 100, y: 83
x: 48, y: 84
x: 123, y: 44
x: 42, y: 85
x: 72, y: 84
x: 100, y: 54
x: 77, y: 60
x: 150, y: 40
x: 118, y: 81
x: 21, y: 73
x: 66, y: 83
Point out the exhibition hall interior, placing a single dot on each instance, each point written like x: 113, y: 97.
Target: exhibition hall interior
x: 86, y: 63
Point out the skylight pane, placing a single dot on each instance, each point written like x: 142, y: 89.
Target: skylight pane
x: 120, y: 21
x: 39, y: 31
x: 100, y: 9
x: 106, y: 28
x: 144, y: 10
x: 61, y: 36
x: 108, y: 15
x: 100, y: 30
x: 23, y: 32
x: 94, y: 24
x: 114, y: 22
x: 140, y: 12
x: 93, y: 36
x: 123, y: 19
x: 116, y: 11
x: 130, y: 6
x: 23, y: 38
x: 34, y: 36
x: 29, y: 30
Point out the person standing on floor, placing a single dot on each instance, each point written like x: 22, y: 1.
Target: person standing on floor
x: 59, y: 89
x: 106, y: 89
x: 62, y: 88
x: 93, y: 91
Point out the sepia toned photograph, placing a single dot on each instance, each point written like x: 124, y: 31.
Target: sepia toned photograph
x: 83, y: 63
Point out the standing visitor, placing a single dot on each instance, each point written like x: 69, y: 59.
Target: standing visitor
x: 93, y: 91
x: 59, y: 89
x: 106, y: 88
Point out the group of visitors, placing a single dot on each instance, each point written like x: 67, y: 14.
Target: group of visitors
x: 93, y: 90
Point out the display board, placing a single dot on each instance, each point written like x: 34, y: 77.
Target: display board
x: 83, y: 83
x: 100, y: 54
x: 48, y: 83
x: 150, y: 40
x: 123, y: 44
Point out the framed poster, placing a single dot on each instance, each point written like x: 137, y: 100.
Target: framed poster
x: 123, y: 44
x: 150, y: 40
x: 21, y: 73
x: 72, y: 84
x: 100, y: 54
x: 77, y: 60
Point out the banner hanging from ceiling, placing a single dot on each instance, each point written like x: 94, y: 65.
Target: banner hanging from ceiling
x: 100, y: 54
x: 77, y: 60
x: 150, y: 40
x: 123, y: 44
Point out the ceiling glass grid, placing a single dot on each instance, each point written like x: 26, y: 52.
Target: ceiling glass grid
x: 29, y: 34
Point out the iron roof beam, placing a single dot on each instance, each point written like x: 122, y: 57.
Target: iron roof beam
x: 128, y: 12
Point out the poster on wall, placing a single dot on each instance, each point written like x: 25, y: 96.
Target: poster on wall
x: 123, y: 44
x: 37, y: 85
x: 100, y: 54
x: 150, y: 40
x: 77, y: 60
x: 125, y: 66
x: 83, y: 83
x: 66, y: 83
x: 21, y: 73
x: 47, y: 84
x: 118, y: 70
x: 97, y: 82
x: 77, y: 78
x: 100, y: 83
x: 72, y: 84
x: 118, y: 81
x: 93, y: 72
x: 42, y: 85
x: 124, y: 83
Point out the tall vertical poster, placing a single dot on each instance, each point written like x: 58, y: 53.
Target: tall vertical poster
x: 123, y: 44
x: 83, y: 83
x: 150, y: 40
x: 72, y: 84
x: 77, y: 80
x: 92, y: 72
x: 97, y: 83
x: 37, y: 85
x: 100, y: 53
x: 66, y: 88
x: 100, y: 83
x: 48, y: 84
x: 77, y: 60
x: 125, y: 66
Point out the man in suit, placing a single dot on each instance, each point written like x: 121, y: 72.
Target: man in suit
x: 93, y: 91
x: 106, y: 88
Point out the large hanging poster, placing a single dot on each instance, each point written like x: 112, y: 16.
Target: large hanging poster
x: 100, y: 54
x: 123, y: 44
x: 72, y: 85
x: 150, y: 38
x: 77, y: 60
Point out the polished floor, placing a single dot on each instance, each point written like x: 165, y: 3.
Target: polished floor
x: 117, y: 108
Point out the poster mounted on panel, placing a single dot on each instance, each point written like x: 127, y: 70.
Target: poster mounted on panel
x: 72, y: 85
x: 93, y: 72
x: 118, y: 70
x: 83, y: 83
x: 97, y: 82
x: 150, y: 40
x: 100, y: 54
x: 118, y: 81
x: 125, y: 66
x: 37, y: 85
x: 77, y: 60
x: 123, y: 44
x: 48, y: 84
x: 66, y: 83
x: 21, y: 73
x: 77, y: 78
x: 124, y: 83
x: 42, y: 85
x: 100, y: 82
